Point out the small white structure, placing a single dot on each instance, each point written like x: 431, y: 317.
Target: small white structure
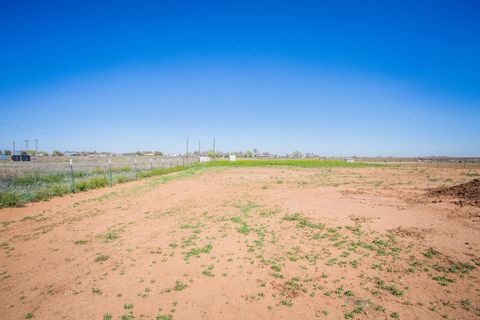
x: 349, y: 160
x: 233, y: 157
x: 204, y: 159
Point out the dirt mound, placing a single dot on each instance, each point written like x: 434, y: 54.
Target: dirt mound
x: 466, y: 193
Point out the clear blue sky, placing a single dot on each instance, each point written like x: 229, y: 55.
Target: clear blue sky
x: 397, y: 78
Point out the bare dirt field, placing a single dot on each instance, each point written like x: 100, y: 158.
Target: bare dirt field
x: 248, y: 243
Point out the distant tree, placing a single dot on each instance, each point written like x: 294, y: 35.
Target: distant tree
x: 296, y: 154
x: 213, y: 154
x: 57, y: 153
x: 248, y: 154
x: 158, y: 153
x: 7, y: 152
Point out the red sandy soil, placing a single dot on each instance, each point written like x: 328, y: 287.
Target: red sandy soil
x: 253, y: 243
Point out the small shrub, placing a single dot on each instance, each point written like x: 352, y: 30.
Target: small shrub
x: 430, y: 253
x: 122, y: 169
x: 179, y: 286
x: 96, y: 291
x: 92, y: 183
x: 101, y: 258
x: 442, y: 280
x: 122, y: 179
x: 198, y: 251
x: 9, y: 199
x: 461, y: 267
x: 110, y: 236
x: 98, y: 170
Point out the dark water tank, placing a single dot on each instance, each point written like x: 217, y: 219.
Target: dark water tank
x: 25, y: 157
x: 16, y: 157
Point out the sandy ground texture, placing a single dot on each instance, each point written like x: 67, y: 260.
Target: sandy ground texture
x: 248, y: 243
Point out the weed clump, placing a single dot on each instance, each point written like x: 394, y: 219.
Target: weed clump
x: 197, y: 251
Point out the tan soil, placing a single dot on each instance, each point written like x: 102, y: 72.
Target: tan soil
x: 253, y: 243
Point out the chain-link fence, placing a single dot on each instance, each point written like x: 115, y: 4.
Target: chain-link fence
x: 75, y: 173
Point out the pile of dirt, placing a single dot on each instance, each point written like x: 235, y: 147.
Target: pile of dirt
x: 466, y: 193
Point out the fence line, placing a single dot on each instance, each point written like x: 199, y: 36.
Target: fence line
x: 31, y: 176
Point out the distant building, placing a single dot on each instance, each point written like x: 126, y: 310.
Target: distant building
x: 70, y: 153
x: 310, y: 155
x: 264, y: 155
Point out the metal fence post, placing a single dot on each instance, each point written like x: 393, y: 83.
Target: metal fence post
x: 151, y: 164
x: 136, y: 175
x: 72, y: 175
x: 110, y: 171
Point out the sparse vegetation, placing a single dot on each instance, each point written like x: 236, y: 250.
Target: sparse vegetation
x: 179, y: 286
x: 280, y: 247
x: 443, y: 280
x: 96, y: 291
x: 101, y: 258
x: 197, y: 251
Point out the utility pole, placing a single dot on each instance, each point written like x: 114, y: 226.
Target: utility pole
x: 187, y: 152
x: 36, y: 147
x: 13, y: 148
x: 26, y: 143
x: 213, y: 148
x: 199, y: 148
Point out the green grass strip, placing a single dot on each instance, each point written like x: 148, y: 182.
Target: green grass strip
x: 303, y: 163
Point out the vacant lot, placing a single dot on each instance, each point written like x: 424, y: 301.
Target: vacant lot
x: 248, y: 243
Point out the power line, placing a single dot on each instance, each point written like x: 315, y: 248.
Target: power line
x: 109, y: 142
x: 104, y: 142
x: 49, y: 133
